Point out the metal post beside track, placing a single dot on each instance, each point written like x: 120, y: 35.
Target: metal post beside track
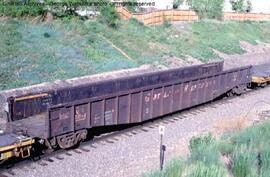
x: 162, y: 147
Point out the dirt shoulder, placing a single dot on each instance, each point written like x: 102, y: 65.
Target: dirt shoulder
x: 254, y: 55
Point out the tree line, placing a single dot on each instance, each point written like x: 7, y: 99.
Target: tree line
x: 206, y: 9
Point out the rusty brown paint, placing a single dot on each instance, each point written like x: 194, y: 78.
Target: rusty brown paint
x: 25, y: 106
x: 147, y: 104
x: 150, y: 97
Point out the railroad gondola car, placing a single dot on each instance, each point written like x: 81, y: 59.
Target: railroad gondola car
x: 62, y: 117
x: 24, y: 106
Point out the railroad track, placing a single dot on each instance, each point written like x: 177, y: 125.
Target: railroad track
x: 113, y: 137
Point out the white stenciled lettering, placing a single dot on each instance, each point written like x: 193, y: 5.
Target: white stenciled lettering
x: 156, y: 96
x: 166, y: 95
x: 186, y: 88
x: 147, y: 98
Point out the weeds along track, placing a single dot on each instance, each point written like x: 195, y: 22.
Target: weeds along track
x: 116, y: 136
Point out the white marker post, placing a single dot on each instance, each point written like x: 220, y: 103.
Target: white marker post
x: 162, y: 147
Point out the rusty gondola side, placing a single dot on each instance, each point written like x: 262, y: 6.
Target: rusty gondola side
x: 24, y: 106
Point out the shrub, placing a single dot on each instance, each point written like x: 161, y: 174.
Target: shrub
x: 167, y: 24
x: 198, y: 142
x: 211, y: 9
x: 136, y: 22
x: 17, y: 8
x: 237, y: 5
x: 130, y: 5
x: 61, y: 8
x: 108, y: 15
x: 244, y: 162
x: 249, y: 6
x: 177, y: 3
x: 241, y: 5
x: 204, y: 149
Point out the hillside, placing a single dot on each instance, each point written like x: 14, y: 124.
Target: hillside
x: 32, y: 52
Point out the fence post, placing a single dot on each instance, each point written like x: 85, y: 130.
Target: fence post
x: 173, y: 17
x: 143, y: 19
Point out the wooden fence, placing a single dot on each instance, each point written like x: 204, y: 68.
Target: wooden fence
x: 172, y: 15
x: 245, y: 16
x: 160, y: 16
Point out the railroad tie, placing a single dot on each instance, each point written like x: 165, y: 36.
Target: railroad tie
x: 59, y: 158
x: 109, y: 141
x: 83, y: 149
x: 77, y: 151
x: 68, y: 154
x: 49, y: 160
x: 42, y: 163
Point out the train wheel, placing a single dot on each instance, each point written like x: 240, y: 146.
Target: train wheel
x: 50, y: 145
x: 230, y: 94
x: 263, y: 85
x: 239, y: 89
x: 72, y: 139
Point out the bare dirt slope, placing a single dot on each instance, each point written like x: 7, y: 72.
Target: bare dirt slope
x: 254, y: 55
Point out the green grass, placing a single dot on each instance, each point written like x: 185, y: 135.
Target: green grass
x: 174, y: 168
x: 248, y: 151
x: 35, y: 52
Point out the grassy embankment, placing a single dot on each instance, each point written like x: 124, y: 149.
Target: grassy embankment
x: 243, y: 154
x: 34, y: 52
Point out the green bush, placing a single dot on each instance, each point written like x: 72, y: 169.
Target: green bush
x: 244, y: 162
x: 237, y: 5
x: 134, y: 21
x: 198, y: 142
x: 177, y: 3
x: 130, y: 5
x: 225, y: 147
x: 211, y: 9
x: 15, y: 8
x: 249, y: 6
x: 203, y: 149
x: 108, y: 15
x: 167, y: 24
x: 61, y: 8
